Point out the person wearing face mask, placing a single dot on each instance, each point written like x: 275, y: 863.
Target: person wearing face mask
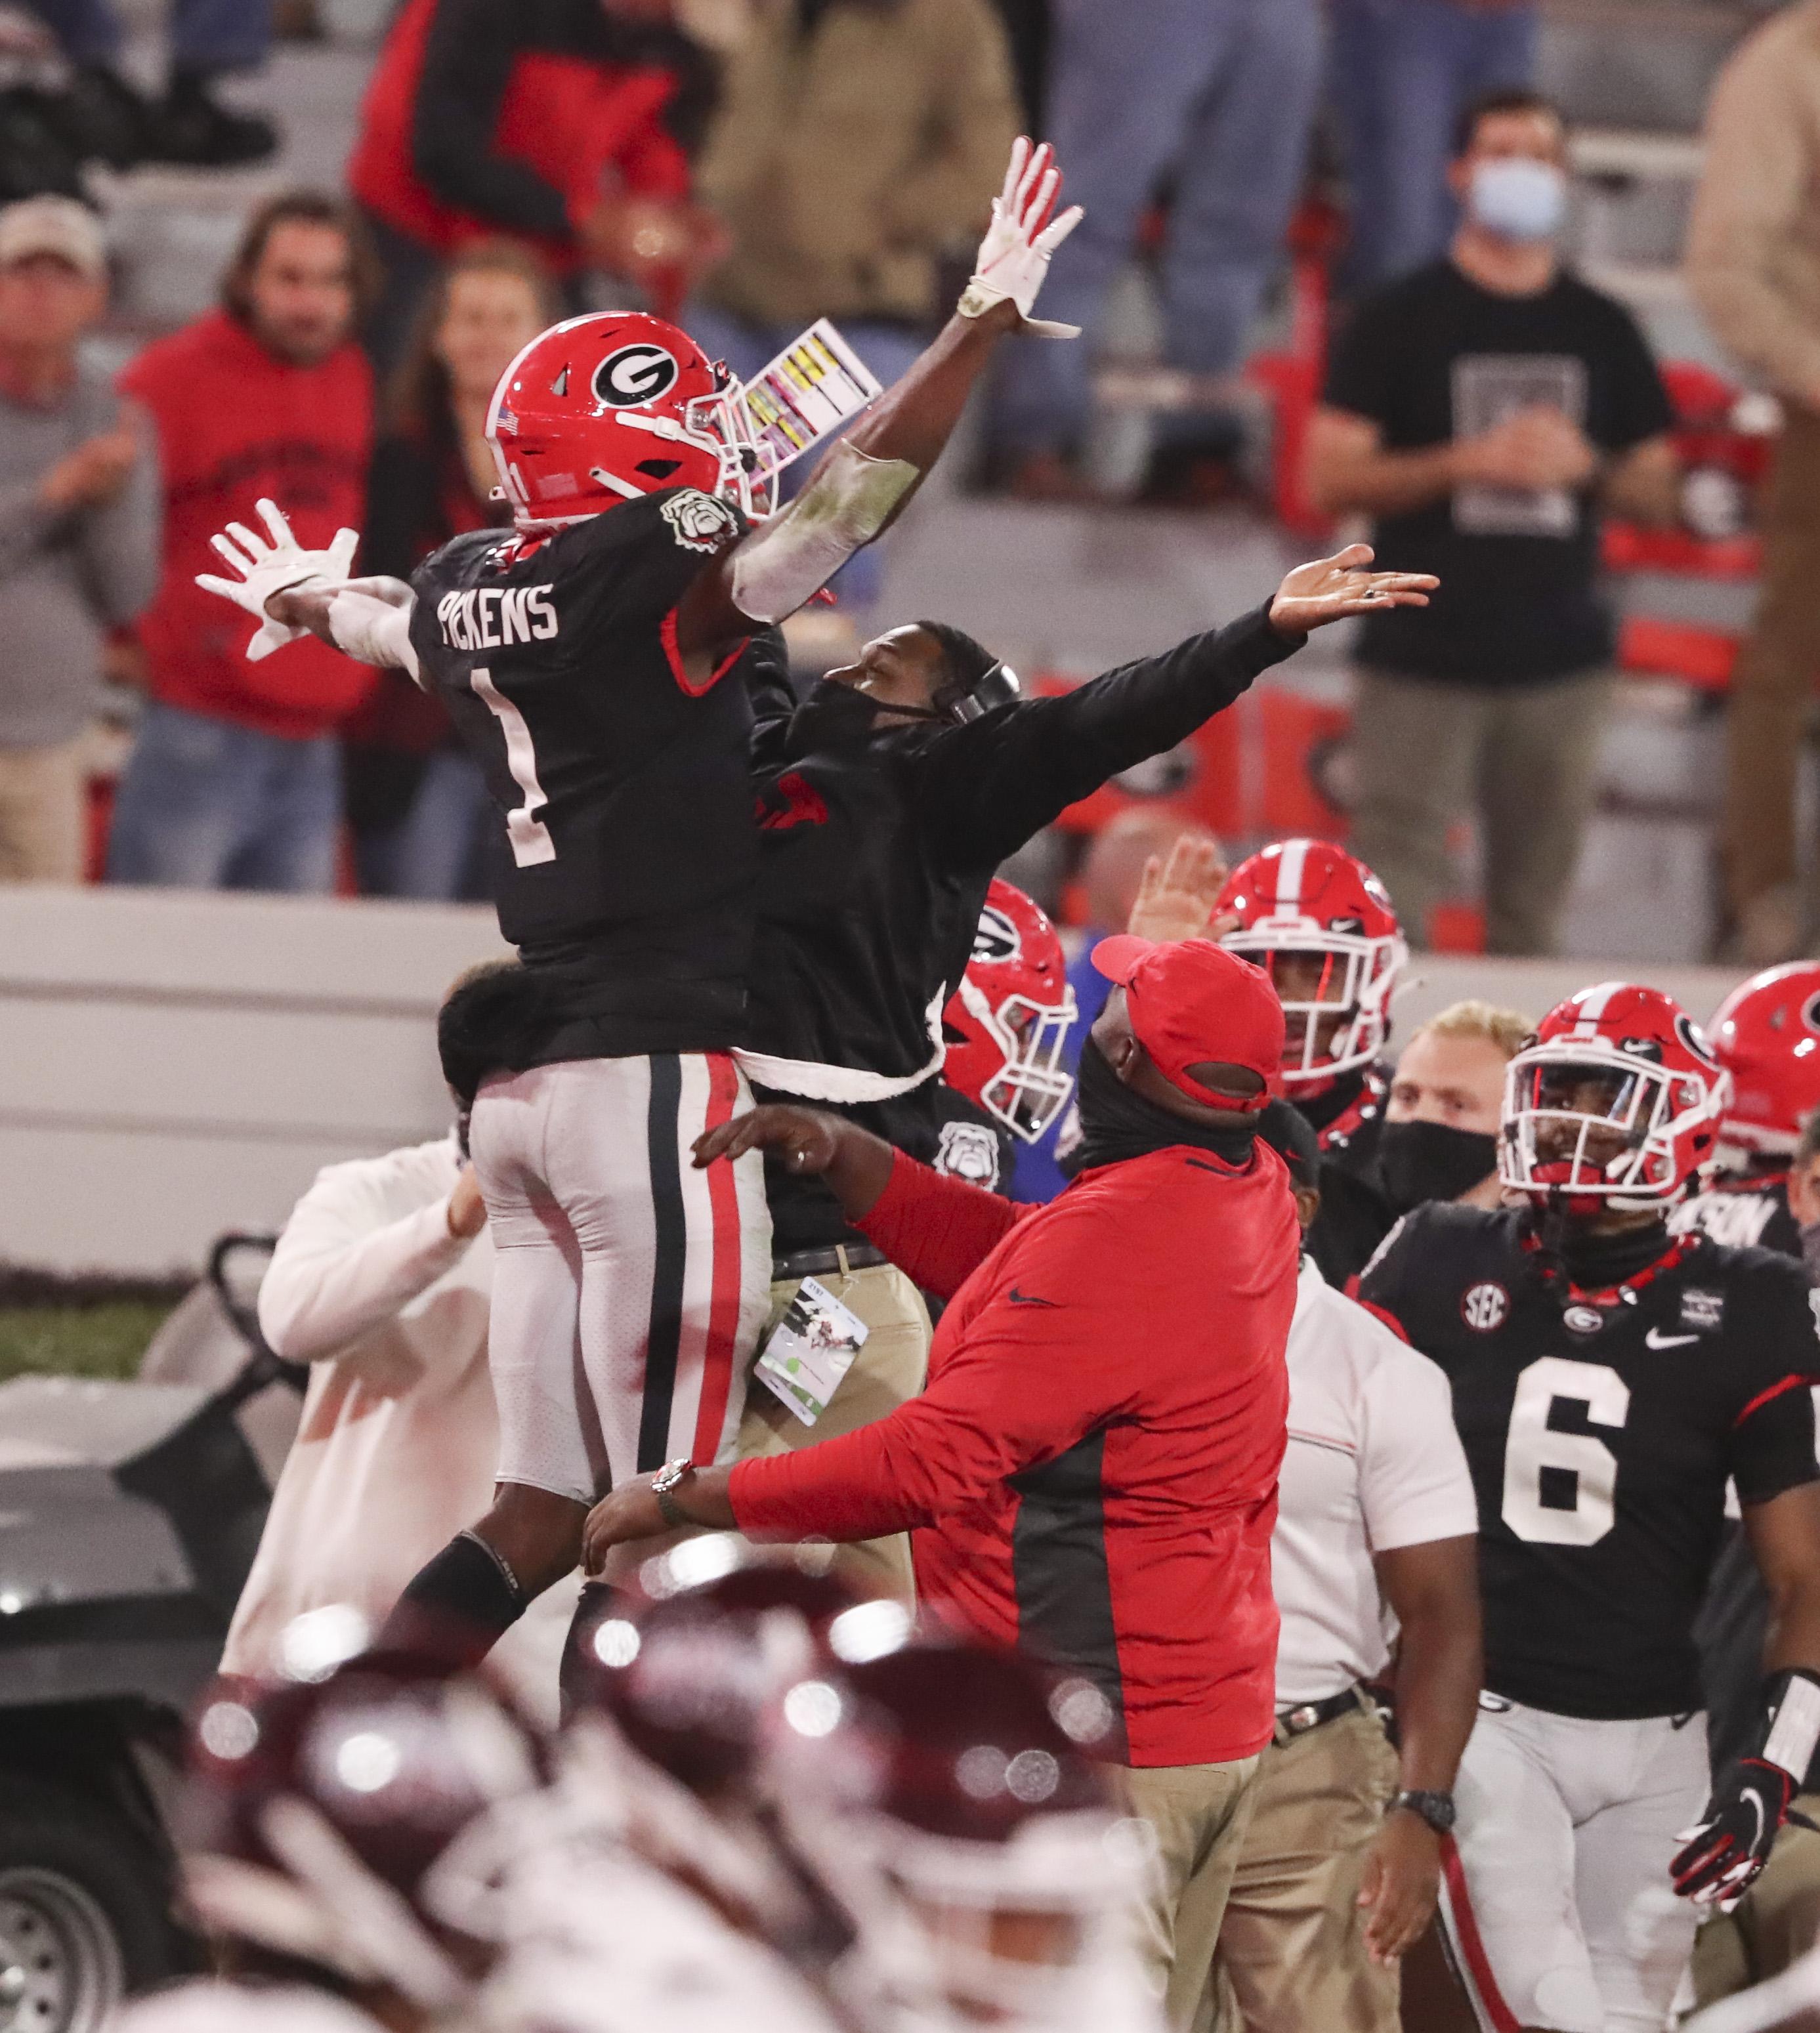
x: 1483, y: 411
x: 1092, y: 1468
x: 1439, y: 1139
x: 1609, y: 1379
x: 885, y: 802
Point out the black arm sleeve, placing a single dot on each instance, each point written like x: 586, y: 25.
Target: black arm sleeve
x: 764, y: 671
x: 467, y: 64
x: 988, y: 786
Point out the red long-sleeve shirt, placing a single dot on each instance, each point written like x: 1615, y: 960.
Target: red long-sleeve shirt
x: 1091, y: 1472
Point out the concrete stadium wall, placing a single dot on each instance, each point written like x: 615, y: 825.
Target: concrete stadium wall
x: 172, y: 1064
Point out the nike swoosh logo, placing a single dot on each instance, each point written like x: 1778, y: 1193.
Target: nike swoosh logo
x: 1018, y: 1298
x: 1656, y: 1338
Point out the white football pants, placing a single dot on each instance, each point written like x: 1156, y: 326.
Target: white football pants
x: 1555, y: 1889
x: 629, y: 1290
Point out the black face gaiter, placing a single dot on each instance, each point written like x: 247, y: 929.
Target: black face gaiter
x: 1116, y: 1122
x: 1430, y: 1161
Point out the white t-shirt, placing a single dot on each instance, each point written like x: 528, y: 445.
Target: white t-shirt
x: 1373, y: 1462
x: 399, y: 1439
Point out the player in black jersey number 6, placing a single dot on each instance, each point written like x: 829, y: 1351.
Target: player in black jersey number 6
x: 583, y: 658
x: 1608, y: 1378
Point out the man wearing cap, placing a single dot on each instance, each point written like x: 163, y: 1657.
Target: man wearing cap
x: 79, y: 528
x: 1091, y: 1472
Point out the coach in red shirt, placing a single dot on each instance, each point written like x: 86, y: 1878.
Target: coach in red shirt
x: 234, y: 780
x: 1091, y: 1472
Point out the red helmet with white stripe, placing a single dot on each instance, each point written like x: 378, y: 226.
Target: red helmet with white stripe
x: 1007, y: 1022
x: 1617, y: 1103
x: 1320, y: 925
x: 613, y: 407
x: 1766, y: 1035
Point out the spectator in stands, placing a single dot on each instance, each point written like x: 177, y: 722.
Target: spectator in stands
x: 1401, y: 71
x: 1753, y: 265
x: 561, y: 123
x: 417, y: 802
x: 857, y: 142
x: 78, y: 529
x: 235, y: 782
x: 106, y: 116
x: 1218, y: 96
x: 1483, y: 410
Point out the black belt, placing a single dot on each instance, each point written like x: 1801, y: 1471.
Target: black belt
x: 1310, y: 1715
x: 819, y: 1263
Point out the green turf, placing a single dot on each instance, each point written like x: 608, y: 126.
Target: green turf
x: 97, y: 1340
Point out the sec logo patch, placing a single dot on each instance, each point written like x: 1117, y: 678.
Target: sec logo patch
x: 1485, y: 1307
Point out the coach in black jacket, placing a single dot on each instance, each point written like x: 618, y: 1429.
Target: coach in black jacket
x: 887, y: 802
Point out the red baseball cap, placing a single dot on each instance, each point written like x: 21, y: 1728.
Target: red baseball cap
x: 1192, y: 1001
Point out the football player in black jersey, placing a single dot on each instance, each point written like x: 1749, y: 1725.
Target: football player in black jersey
x: 1608, y: 1378
x: 1766, y: 1035
x: 583, y: 658
x: 1321, y: 926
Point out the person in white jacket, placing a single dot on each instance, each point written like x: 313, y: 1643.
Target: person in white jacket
x: 381, y: 1281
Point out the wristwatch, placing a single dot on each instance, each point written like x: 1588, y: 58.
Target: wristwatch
x: 1436, y: 1809
x: 666, y: 1479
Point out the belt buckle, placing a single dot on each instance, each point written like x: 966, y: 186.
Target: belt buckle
x: 1296, y: 1721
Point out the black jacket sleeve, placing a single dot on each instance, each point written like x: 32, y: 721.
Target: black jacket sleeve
x: 467, y: 64
x: 986, y: 787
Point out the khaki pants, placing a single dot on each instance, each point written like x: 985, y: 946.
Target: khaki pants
x: 1773, y: 682
x: 1198, y: 1813
x: 1776, y: 1922
x: 1525, y: 759
x: 893, y: 1364
x: 1292, y: 1954
x: 42, y: 811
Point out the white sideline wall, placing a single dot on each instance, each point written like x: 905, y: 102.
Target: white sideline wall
x: 175, y: 1063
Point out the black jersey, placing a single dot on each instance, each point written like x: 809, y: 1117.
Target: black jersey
x: 625, y: 852
x: 1745, y: 1212
x: 1354, y: 1217
x: 878, y: 846
x: 1600, y: 1438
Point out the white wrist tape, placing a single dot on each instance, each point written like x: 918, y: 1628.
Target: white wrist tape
x: 374, y: 630
x: 786, y: 560
x: 1796, y: 1728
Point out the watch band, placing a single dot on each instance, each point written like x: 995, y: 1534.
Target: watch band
x: 664, y: 1482
x: 1436, y: 1809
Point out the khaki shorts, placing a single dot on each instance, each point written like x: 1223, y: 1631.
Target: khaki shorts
x: 893, y: 1364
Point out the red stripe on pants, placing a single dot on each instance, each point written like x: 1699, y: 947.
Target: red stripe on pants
x: 1472, y: 1948
x: 729, y: 1244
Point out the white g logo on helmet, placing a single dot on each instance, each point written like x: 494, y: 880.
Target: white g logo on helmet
x: 635, y: 374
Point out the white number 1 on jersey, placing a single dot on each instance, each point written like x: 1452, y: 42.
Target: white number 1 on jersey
x: 530, y: 837
x: 1531, y: 1446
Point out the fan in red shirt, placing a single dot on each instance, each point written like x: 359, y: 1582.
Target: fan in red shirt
x: 234, y: 780
x: 1092, y: 1472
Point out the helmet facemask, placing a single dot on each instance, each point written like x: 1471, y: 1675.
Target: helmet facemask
x: 1335, y: 988
x: 1598, y: 1126
x: 1032, y: 1087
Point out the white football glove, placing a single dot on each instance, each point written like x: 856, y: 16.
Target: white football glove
x: 1014, y: 255
x: 278, y: 566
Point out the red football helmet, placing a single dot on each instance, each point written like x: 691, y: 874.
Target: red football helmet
x: 557, y: 416
x: 1617, y: 1103
x: 1007, y: 1022
x: 1320, y: 925
x: 1766, y: 1035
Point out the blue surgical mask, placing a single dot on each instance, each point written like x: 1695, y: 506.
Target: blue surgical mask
x: 1518, y: 198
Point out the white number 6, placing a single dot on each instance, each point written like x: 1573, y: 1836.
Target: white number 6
x: 1532, y: 1446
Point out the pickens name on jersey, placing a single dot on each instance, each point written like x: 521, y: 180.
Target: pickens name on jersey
x: 1600, y: 1438
x: 495, y: 617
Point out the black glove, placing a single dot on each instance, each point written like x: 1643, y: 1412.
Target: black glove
x: 1725, y: 1852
